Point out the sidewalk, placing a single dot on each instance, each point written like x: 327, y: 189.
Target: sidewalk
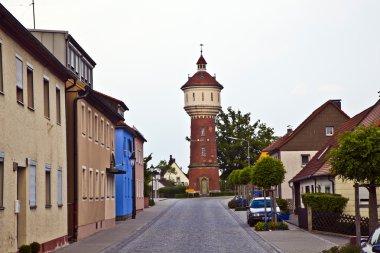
x: 122, y: 231
x: 296, y: 240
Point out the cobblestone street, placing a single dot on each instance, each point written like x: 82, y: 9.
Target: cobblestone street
x: 194, y: 225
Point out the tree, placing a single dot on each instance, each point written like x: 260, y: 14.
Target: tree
x: 266, y: 173
x: 164, y: 167
x: 357, y: 158
x: 232, y: 154
x: 147, y: 175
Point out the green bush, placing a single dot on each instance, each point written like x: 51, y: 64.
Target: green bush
x: 35, y: 247
x: 25, y: 249
x: 219, y: 194
x: 151, y: 202
x: 260, y: 226
x: 170, y: 192
x: 343, y: 249
x: 232, y: 204
x: 325, y: 202
x: 283, y: 205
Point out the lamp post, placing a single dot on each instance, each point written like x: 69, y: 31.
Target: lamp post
x: 132, y: 160
x: 239, y: 139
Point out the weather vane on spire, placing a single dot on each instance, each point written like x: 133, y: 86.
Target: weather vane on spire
x: 201, y: 48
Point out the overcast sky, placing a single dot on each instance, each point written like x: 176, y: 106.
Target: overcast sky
x: 278, y: 60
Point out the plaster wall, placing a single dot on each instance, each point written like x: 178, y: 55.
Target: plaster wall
x: 139, y: 170
x: 25, y: 133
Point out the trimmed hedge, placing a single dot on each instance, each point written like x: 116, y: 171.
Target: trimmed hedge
x: 219, y: 194
x: 25, y: 249
x: 186, y: 195
x: 283, y: 205
x: 260, y: 226
x: 325, y: 202
x: 35, y: 247
x: 342, y: 249
x: 170, y: 192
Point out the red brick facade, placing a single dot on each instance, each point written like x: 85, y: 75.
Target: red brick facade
x: 203, y: 156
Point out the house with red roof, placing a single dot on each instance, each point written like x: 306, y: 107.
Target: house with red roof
x: 316, y: 174
x: 297, y: 147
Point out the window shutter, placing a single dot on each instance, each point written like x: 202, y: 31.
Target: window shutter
x: 59, y: 186
x: 32, y: 185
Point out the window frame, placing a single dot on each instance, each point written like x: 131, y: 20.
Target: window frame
x: 59, y: 186
x: 203, y: 151
x: 32, y: 191
x: 19, y: 82
x: 46, y: 94
x: 58, y: 106
x: 2, y: 179
x: 329, y: 133
x: 302, y: 161
x: 47, y: 186
x: 30, y: 86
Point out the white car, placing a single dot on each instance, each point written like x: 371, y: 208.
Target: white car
x: 256, y: 211
x: 373, y: 242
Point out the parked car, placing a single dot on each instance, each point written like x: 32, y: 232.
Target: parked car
x: 256, y: 211
x: 372, y: 244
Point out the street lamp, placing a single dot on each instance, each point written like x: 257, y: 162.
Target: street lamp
x: 132, y: 160
x: 239, y: 139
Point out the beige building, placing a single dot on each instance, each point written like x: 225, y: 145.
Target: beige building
x: 178, y: 177
x: 33, y: 161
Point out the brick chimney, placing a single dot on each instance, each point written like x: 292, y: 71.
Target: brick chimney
x: 337, y: 102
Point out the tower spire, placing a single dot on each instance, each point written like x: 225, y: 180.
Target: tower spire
x: 201, y: 61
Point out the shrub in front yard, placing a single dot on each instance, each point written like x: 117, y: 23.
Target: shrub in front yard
x: 260, y: 226
x: 325, y: 202
x: 218, y: 194
x: 35, y: 247
x: 232, y: 204
x: 343, y: 249
x: 25, y: 249
x: 283, y: 205
x: 170, y: 192
x: 151, y: 202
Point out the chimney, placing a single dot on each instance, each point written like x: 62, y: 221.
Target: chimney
x: 289, y: 129
x: 337, y: 102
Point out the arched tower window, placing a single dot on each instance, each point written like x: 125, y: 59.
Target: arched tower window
x: 212, y: 96
x: 193, y: 96
x: 187, y: 98
x: 203, y: 96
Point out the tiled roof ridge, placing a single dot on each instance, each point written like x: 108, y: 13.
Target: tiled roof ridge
x: 287, y: 137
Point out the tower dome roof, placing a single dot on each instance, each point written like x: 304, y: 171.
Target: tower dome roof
x: 201, y: 77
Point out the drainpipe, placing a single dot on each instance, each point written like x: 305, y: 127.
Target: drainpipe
x: 134, y: 184
x: 332, y: 183
x: 76, y: 161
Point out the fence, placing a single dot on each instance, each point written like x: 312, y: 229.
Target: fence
x: 338, y: 223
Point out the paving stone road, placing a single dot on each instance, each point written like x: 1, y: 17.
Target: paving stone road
x: 195, y: 225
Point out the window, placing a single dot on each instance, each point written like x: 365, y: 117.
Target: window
x: 102, y: 185
x: 19, y: 81
x: 218, y: 97
x: 203, y: 96
x: 329, y: 131
x: 83, y: 119
x: 304, y: 159
x: 112, y: 138
x: 89, y: 123
x: 203, y: 132
x: 30, y: 87
x: 97, y: 186
x: 312, y: 189
x: 1, y: 178
x: 96, y: 128
x: 102, y: 131
x: 307, y: 189
x: 327, y: 189
x: 46, y: 99
x: 187, y: 98
x: 47, y: 185
x: 58, y: 104
x: 212, y: 96
x: 203, y: 151
x: 84, y: 183
x: 1, y: 70
x: 193, y: 96
x: 108, y: 135
x: 32, y: 185
x: 59, y: 187
x: 91, y: 184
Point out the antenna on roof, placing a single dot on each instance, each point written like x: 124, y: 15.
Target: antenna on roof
x: 201, y: 49
x: 34, y: 16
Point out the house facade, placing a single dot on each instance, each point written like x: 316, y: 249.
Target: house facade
x: 139, y: 169
x: 124, y: 182
x: 316, y: 176
x: 178, y: 177
x: 33, y: 161
x: 296, y: 148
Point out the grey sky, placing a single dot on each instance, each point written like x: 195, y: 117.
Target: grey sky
x: 278, y: 60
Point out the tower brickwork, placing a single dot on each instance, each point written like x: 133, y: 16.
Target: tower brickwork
x: 202, y: 104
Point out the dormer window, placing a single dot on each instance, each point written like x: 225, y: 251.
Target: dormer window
x: 329, y: 131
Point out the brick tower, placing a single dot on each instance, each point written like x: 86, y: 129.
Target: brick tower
x: 202, y: 103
